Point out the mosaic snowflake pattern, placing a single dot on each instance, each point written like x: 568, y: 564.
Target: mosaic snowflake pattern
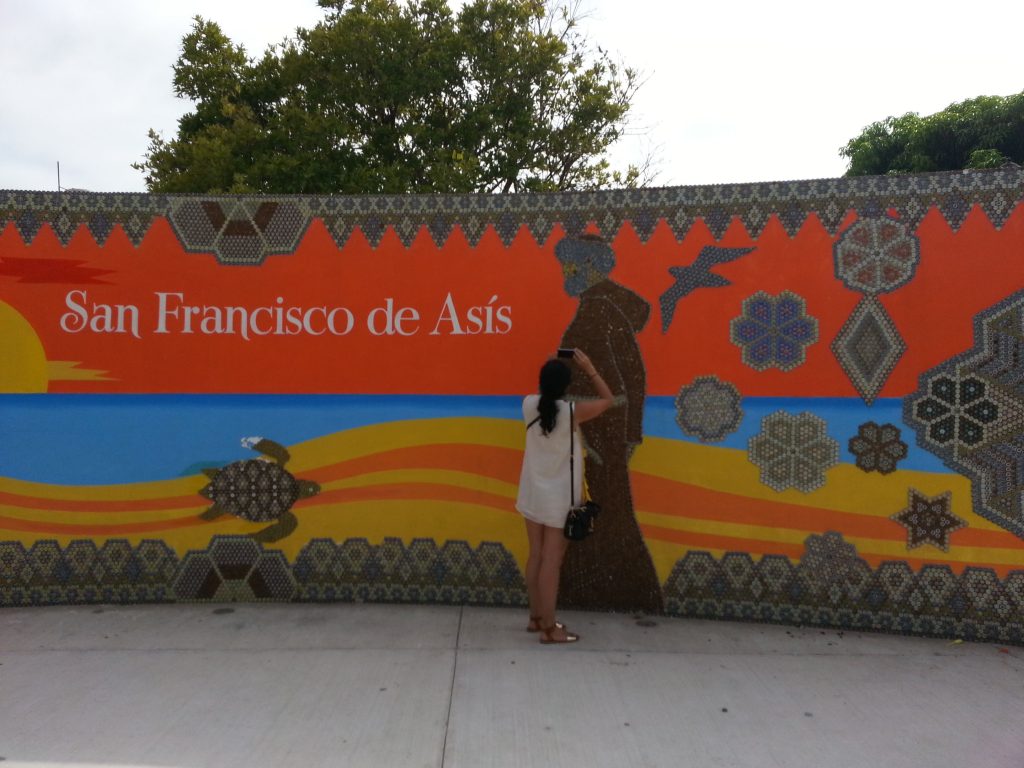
x: 774, y: 331
x: 956, y: 412
x: 928, y: 519
x: 793, y: 451
x: 868, y: 346
x: 709, y: 409
x: 969, y: 411
x: 876, y: 255
x: 878, y: 448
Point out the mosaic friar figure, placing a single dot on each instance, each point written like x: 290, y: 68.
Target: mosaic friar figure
x: 612, y: 569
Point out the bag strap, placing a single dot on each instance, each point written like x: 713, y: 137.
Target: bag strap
x: 572, y: 456
x: 572, y: 459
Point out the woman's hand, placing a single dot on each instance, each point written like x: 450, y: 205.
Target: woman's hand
x: 589, y: 409
x: 581, y: 359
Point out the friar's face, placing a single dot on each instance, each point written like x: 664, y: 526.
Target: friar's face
x: 575, y: 277
x: 585, y: 262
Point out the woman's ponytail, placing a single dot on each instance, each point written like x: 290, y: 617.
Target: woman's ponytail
x: 554, y: 380
x: 548, y: 409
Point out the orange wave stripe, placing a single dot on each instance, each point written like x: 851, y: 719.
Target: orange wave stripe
x: 414, y: 492
x: 484, y: 460
x: 93, y: 505
x: 668, y: 497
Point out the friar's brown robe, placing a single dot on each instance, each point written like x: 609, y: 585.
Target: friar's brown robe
x: 611, y: 569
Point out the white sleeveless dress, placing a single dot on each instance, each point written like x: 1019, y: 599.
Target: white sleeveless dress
x: 544, y: 480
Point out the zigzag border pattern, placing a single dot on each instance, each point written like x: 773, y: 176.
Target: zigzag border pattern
x: 997, y: 192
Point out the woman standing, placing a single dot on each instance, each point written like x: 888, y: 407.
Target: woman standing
x: 545, y: 482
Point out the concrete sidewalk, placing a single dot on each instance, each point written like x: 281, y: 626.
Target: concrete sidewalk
x: 245, y: 685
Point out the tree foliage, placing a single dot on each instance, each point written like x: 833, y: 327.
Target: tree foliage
x: 978, y: 133
x: 391, y: 96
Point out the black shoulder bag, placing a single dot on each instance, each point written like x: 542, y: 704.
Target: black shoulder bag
x: 580, y: 522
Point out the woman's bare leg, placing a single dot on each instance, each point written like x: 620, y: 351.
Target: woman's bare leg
x: 553, y: 546
x: 535, y: 535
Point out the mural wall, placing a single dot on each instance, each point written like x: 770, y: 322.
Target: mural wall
x: 819, y: 419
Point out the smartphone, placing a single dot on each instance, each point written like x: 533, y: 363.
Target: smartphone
x: 564, y: 352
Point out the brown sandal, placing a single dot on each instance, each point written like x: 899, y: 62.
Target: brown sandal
x: 534, y: 625
x: 547, y: 636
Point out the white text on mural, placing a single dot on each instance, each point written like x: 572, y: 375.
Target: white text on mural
x: 173, y: 314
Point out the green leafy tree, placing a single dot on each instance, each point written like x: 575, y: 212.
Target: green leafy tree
x: 384, y: 96
x: 985, y: 132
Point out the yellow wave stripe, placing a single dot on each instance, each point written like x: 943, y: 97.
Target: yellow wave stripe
x: 78, y: 517
x: 156, y: 489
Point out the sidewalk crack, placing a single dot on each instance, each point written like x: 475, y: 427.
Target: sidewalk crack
x: 451, y: 692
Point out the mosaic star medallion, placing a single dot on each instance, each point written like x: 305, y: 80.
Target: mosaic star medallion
x: 928, y: 519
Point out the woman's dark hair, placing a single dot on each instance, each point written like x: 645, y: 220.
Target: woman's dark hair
x: 554, y: 380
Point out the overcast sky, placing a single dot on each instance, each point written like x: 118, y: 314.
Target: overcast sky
x: 745, y: 90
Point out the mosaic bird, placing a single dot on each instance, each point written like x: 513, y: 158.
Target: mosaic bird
x: 696, y: 275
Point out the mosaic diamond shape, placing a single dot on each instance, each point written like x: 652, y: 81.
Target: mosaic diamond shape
x: 868, y: 347
x: 340, y: 228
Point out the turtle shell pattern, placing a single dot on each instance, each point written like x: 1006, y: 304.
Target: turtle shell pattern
x: 253, y: 489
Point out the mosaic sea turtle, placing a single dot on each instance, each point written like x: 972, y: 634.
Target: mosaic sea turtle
x: 259, y: 490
